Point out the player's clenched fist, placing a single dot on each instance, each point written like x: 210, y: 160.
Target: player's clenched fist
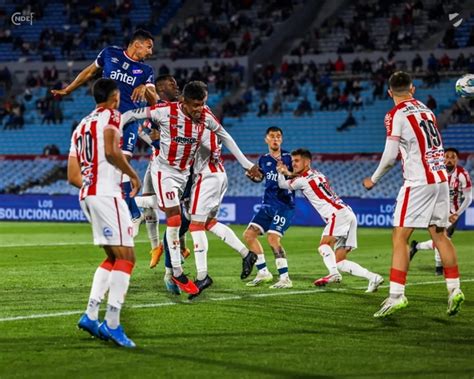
x: 368, y: 184
x: 254, y: 174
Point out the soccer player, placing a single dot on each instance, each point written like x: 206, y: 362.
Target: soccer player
x: 460, y: 196
x: 208, y: 190
x: 135, y: 82
x: 95, y: 165
x: 340, y: 234
x: 168, y: 91
x: 182, y: 125
x: 423, y: 201
x: 275, y: 213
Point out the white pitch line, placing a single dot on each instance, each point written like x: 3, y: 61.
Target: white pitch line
x: 33, y: 244
x: 225, y: 298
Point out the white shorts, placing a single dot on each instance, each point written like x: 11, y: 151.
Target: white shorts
x: 207, y: 193
x: 148, y: 182
x: 422, y: 206
x: 343, y: 226
x: 110, y: 219
x: 169, y: 184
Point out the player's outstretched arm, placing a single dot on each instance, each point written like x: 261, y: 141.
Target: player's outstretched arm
x: 388, y: 160
x: 282, y: 182
x: 114, y: 156
x: 83, y: 77
x: 229, y: 142
x: 136, y: 114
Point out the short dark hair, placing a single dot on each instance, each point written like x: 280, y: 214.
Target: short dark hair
x: 453, y: 150
x: 164, y: 77
x: 274, y: 129
x: 400, y: 81
x: 102, y: 89
x: 195, y: 90
x: 141, y: 35
x: 305, y: 153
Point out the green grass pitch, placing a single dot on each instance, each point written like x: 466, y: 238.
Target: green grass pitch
x: 232, y: 330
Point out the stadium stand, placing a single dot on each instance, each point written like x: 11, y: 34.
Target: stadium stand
x: 345, y: 175
x: 18, y: 173
x: 333, y: 106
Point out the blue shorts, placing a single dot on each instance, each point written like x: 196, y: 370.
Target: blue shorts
x: 273, y: 220
x: 129, y: 137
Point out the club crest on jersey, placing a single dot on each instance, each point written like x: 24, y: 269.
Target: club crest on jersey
x: 137, y: 71
x: 125, y: 65
x: 107, y: 232
x: 269, y: 163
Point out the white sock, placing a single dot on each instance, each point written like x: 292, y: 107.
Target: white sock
x: 172, y: 238
x: 228, y: 236
x: 152, y: 227
x: 200, y: 252
x: 426, y: 245
x: 147, y: 201
x: 100, y: 285
x: 355, y: 269
x: 119, y: 282
x: 396, y: 289
x: 282, y: 266
x: 453, y: 284
x: 261, y: 264
x: 329, y: 258
x: 437, y: 257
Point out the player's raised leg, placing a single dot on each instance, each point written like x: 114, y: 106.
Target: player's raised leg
x: 353, y: 268
x: 251, y: 235
x: 149, y: 203
x: 451, y: 270
x: 228, y: 236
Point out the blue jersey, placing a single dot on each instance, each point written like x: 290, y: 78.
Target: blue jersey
x: 126, y: 72
x: 275, y: 196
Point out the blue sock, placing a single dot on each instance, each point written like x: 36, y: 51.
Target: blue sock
x: 184, y: 225
x: 132, y: 205
x: 167, y: 254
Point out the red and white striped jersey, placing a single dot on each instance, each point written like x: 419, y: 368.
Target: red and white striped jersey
x: 317, y: 190
x: 421, y: 146
x: 179, y: 135
x: 99, y: 177
x: 459, y: 181
x: 208, y: 157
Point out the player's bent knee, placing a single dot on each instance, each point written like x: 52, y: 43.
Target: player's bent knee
x: 273, y: 239
x: 174, y: 221
x: 249, y: 235
x: 210, y: 223
x: 197, y: 226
